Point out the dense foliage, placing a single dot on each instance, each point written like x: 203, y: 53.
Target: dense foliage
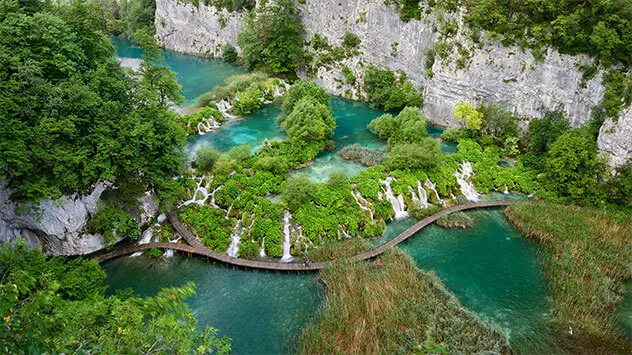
x: 388, y: 90
x: 70, y: 115
x: 59, y: 306
x: 409, y: 126
x: 272, y: 39
x: 587, y: 260
x: 389, y: 306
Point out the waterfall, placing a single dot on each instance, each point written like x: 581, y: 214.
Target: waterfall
x: 223, y: 107
x: 433, y: 187
x: 262, y: 251
x: 202, y: 191
x: 235, y: 240
x: 168, y: 253
x: 287, y: 243
x: 341, y: 230
x: 362, y: 202
x: 207, y: 125
x: 462, y: 177
x: 397, y: 202
x: 145, y: 239
x: 506, y: 192
x: 420, y: 201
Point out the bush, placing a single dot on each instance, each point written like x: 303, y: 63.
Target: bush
x: 465, y: 111
x: 205, y: 158
x: 408, y: 127
x: 424, y: 155
x: 229, y: 53
x: 272, y: 38
x: 309, y: 121
x: 114, y: 223
x: 297, y: 191
x: 452, y: 134
x: 366, y: 156
x: 302, y: 89
x: 248, y: 101
x: 384, y: 90
x: 544, y: 131
x: 350, y: 40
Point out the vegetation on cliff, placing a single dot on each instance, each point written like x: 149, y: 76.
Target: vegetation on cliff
x: 70, y: 119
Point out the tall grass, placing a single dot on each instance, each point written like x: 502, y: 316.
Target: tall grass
x: 339, y: 249
x: 456, y: 220
x: 587, y: 258
x: 389, y: 306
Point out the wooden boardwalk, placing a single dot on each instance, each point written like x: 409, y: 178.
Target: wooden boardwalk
x: 196, y: 247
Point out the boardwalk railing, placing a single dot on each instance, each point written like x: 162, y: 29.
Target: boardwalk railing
x: 196, y: 247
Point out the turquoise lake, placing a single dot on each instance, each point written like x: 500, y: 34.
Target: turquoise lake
x: 489, y: 267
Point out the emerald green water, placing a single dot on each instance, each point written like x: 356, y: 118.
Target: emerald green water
x: 262, y: 313
x: 491, y: 268
x: 197, y: 75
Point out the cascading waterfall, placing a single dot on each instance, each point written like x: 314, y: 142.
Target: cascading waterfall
x: 433, y: 187
x: 506, y: 192
x: 223, y: 107
x: 145, y: 239
x: 207, y: 125
x: 200, y: 190
x: 235, y: 240
x: 467, y: 188
x: 362, y: 202
x: 420, y: 200
x: 397, y: 202
x: 287, y: 243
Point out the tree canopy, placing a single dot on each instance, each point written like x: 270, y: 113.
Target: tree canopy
x: 59, y: 306
x: 70, y: 115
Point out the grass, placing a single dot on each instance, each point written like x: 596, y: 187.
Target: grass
x: 456, y: 220
x: 587, y: 258
x: 336, y: 250
x: 389, y: 306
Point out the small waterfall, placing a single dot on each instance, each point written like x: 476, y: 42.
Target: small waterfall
x: 262, y: 251
x: 467, y: 188
x: 235, y: 238
x: 433, y: 187
x: 207, y: 125
x: 168, y: 253
x: 506, y: 192
x: 145, y: 239
x: 223, y: 107
x: 200, y: 190
x: 420, y: 201
x: 362, y: 202
x: 287, y: 243
x: 341, y: 230
x: 397, y: 202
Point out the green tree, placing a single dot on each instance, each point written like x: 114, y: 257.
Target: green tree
x: 229, y: 53
x: 423, y: 155
x: 544, y: 131
x: 310, y: 120
x: 272, y: 38
x: 408, y: 127
x: 465, y: 111
x: 297, y: 191
x: 205, y: 158
x: 302, y: 89
x: 69, y: 120
x: 54, y: 306
x: 573, y: 168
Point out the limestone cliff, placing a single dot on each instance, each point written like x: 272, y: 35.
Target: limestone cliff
x: 487, y: 73
x: 59, y: 227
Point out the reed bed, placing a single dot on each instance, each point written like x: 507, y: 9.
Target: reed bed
x: 340, y: 249
x: 456, y: 220
x: 587, y: 258
x: 390, y: 306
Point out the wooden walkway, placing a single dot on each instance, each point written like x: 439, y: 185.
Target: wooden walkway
x: 196, y: 247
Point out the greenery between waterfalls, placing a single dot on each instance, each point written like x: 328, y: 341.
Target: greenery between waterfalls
x: 587, y: 259
x: 60, y: 306
x: 390, y: 306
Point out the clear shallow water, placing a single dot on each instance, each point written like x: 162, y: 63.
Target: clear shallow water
x: 197, y: 75
x: 252, y: 129
x: 262, y: 312
x: 490, y: 267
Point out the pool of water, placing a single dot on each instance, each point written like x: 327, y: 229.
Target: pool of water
x: 263, y: 313
x: 197, y: 75
x: 491, y: 268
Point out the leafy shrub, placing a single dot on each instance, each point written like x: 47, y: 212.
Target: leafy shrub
x: 465, y: 111
x: 423, y: 155
x: 384, y: 90
x: 302, y: 89
x: 350, y: 40
x: 205, y: 158
x: 366, y: 156
x: 229, y: 53
x: 543, y: 132
x: 114, y: 223
x: 452, y: 134
x: 408, y: 127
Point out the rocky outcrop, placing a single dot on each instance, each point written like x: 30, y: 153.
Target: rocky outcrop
x: 615, y: 138
x: 203, y: 30
x: 59, y: 227
x: 480, y: 73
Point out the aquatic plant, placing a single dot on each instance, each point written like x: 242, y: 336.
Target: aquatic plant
x: 389, y: 306
x: 366, y: 156
x: 456, y: 220
x: 587, y: 258
x: 337, y: 250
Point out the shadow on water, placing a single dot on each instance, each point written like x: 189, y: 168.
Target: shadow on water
x: 262, y: 312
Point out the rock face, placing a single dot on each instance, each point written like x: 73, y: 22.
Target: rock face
x: 615, y: 138
x: 481, y: 73
x: 182, y: 27
x: 59, y: 227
